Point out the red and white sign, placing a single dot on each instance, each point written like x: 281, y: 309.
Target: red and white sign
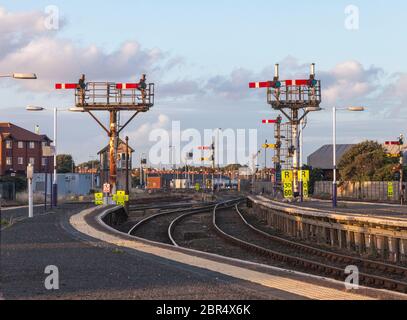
x: 290, y: 83
x: 284, y: 83
x: 106, y: 188
x: 64, y: 86
x: 127, y: 86
x: 204, y: 148
x: 269, y: 121
x: 392, y: 143
x: 257, y: 85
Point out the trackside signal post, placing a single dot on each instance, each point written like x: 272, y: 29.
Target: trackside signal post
x: 294, y: 99
x: 91, y: 97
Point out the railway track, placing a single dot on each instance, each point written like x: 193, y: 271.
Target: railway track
x: 304, y: 257
x: 165, y: 206
x: 157, y: 227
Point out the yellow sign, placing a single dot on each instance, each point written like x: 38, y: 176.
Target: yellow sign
x: 269, y: 146
x: 390, y: 190
x: 393, y: 155
x: 305, y: 176
x: 287, y: 176
x: 121, y: 198
x: 305, y: 191
x: 197, y: 187
x: 99, y: 199
x: 288, y: 183
x: 288, y: 190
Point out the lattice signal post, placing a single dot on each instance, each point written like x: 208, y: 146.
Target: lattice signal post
x: 295, y: 99
x: 113, y: 97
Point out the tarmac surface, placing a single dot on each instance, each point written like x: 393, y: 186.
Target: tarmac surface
x: 100, y: 271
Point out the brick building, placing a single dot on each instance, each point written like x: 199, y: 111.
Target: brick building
x: 19, y: 147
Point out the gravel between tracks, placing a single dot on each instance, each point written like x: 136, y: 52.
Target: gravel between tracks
x: 230, y: 222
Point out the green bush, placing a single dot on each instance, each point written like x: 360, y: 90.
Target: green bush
x: 20, y: 182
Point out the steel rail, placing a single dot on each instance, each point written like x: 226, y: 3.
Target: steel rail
x: 176, y: 221
x: 335, y: 272
x: 335, y: 257
x: 199, y: 209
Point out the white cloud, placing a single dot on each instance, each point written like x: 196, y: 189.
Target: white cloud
x: 18, y: 29
x: 143, y: 132
x: 348, y: 81
x: 28, y: 46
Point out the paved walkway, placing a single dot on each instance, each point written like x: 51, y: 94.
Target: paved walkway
x: 98, y: 271
x: 107, y: 267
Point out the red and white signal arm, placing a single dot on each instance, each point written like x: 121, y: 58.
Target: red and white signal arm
x: 106, y: 188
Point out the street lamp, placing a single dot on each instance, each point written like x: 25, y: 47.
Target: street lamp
x: 56, y: 110
x: 20, y: 76
x: 335, y: 182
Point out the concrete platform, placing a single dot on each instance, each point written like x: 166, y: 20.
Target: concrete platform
x: 286, y: 283
x: 367, y: 229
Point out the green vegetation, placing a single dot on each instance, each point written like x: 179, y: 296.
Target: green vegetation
x: 315, y: 175
x: 95, y: 164
x: 367, y: 161
x: 19, y: 181
x: 4, y: 223
x: 65, y: 163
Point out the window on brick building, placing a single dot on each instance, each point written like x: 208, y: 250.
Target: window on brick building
x: 9, y: 161
x: 32, y: 161
x: 20, y: 161
x: 9, y: 144
x: 20, y: 145
x: 32, y: 145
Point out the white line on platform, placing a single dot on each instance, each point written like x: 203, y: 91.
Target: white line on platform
x: 21, y: 207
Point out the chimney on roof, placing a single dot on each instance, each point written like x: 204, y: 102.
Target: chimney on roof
x: 37, y: 129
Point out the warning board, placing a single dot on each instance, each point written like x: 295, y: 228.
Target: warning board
x: 99, y: 199
x: 288, y: 183
x: 121, y: 198
x: 390, y: 190
x: 305, y: 175
x: 106, y: 188
x: 287, y: 176
x: 305, y: 183
x: 305, y: 186
x: 269, y: 146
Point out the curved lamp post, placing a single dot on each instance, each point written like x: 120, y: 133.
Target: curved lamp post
x: 20, y: 76
x: 56, y: 110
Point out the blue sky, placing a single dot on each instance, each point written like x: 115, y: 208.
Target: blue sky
x: 232, y: 33
x: 216, y: 44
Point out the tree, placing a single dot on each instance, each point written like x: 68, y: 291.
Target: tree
x: 367, y: 161
x: 65, y: 163
x: 315, y: 175
x: 20, y: 182
x: 95, y: 164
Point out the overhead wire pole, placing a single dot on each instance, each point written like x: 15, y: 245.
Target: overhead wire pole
x: 114, y: 98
